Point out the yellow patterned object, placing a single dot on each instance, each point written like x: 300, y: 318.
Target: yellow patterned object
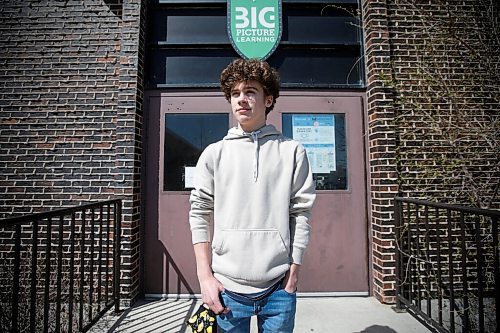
x: 203, y: 321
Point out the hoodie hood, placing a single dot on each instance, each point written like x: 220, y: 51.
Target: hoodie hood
x: 237, y: 133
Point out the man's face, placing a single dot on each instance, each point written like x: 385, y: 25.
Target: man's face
x: 248, y: 103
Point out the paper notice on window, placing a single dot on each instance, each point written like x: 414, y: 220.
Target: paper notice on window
x: 317, y: 135
x: 189, y: 177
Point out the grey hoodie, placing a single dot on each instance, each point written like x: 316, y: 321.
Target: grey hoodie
x: 260, y: 190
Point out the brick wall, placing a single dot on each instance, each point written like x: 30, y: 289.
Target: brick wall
x: 446, y: 67
x: 433, y: 111
x: 59, y: 102
x: 381, y: 147
x: 129, y: 140
x: 70, y: 120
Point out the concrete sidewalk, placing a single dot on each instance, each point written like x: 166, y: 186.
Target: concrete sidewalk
x: 322, y: 314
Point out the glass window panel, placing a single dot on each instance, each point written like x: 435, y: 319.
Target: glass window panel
x: 188, y: 67
x: 323, y: 136
x: 310, y: 67
x: 200, y: 25
x: 186, y: 136
x: 316, y: 29
x: 186, y: 70
x: 297, y: 67
x: 196, y: 29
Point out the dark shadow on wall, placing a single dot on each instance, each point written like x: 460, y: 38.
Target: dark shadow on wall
x: 378, y: 329
x: 181, y: 284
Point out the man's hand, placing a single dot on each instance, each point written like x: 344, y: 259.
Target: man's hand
x: 291, y: 279
x: 209, y: 285
x: 210, y: 291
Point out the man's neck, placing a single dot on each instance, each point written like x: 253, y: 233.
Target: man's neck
x: 251, y: 129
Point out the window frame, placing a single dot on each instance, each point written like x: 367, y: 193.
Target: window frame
x: 354, y: 49
x: 342, y: 148
x: 166, y: 145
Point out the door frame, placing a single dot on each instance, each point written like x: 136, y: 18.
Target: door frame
x: 328, y: 94
x: 150, y: 186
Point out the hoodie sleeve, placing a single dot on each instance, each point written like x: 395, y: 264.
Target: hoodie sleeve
x: 202, y: 197
x: 301, y: 203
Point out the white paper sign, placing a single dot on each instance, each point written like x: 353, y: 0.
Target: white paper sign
x: 317, y: 135
x: 189, y: 177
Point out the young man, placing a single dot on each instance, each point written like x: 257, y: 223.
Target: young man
x: 258, y: 186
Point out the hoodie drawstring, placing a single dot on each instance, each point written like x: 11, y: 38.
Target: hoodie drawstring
x: 255, y: 138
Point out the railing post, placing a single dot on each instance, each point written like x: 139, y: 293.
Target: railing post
x: 465, y: 281
x: 451, y: 271
x: 15, y: 280
x: 496, y: 269
x: 82, y: 272
x: 496, y: 248
x: 408, y: 249
x: 91, y: 269
x: 108, y: 254
x: 397, y: 222
x: 71, y: 272
x: 439, y: 284
x: 46, y: 298
x: 480, y: 273
x: 99, y: 268
x: 34, y: 265
x: 428, y: 297
x: 116, y: 261
x: 59, y: 273
x: 417, y: 250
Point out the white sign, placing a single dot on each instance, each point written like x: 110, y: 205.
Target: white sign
x: 189, y: 177
x: 317, y: 135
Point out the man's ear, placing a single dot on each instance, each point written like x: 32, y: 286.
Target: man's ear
x: 269, y: 101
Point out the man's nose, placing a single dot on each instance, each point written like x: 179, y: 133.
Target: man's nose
x: 242, y: 98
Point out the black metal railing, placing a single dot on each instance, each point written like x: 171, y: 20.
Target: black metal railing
x: 60, y: 270
x: 447, y: 265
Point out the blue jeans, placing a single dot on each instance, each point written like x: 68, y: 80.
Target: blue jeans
x: 275, y: 313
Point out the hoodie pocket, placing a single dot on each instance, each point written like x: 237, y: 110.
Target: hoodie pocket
x: 252, y: 255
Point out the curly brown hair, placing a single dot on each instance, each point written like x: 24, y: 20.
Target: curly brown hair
x: 242, y: 70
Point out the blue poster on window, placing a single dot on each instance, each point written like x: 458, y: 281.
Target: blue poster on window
x: 317, y: 135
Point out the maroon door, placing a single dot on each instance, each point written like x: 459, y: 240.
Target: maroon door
x: 337, y: 259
